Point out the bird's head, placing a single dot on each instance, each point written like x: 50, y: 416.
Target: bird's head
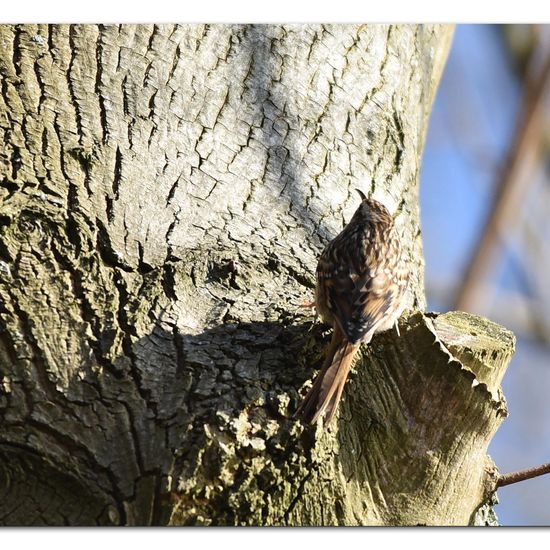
x: 372, y: 210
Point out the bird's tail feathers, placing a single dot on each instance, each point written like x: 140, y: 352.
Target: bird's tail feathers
x: 326, y: 392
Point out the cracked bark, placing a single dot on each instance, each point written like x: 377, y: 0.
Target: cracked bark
x: 165, y: 193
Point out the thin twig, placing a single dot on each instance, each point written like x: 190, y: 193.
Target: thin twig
x: 522, y: 475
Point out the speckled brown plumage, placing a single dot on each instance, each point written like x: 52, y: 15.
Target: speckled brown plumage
x: 362, y: 278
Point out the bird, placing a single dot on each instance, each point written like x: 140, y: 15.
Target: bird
x: 361, y: 285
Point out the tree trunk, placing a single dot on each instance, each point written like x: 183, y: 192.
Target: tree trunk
x: 166, y: 191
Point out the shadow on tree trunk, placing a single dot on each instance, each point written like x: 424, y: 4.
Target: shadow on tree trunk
x: 211, y: 439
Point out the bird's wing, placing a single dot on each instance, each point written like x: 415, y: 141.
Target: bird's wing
x: 359, y: 299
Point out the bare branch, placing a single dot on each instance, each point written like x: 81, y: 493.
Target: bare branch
x: 522, y: 475
x: 522, y: 160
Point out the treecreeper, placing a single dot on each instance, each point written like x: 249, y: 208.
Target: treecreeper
x: 362, y: 279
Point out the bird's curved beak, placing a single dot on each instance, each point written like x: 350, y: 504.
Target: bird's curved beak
x: 361, y: 194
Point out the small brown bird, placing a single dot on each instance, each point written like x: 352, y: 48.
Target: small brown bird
x: 362, y: 279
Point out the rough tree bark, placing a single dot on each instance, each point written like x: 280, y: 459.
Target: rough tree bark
x: 165, y: 193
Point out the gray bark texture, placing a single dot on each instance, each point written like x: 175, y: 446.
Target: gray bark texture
x: 165, y: 192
